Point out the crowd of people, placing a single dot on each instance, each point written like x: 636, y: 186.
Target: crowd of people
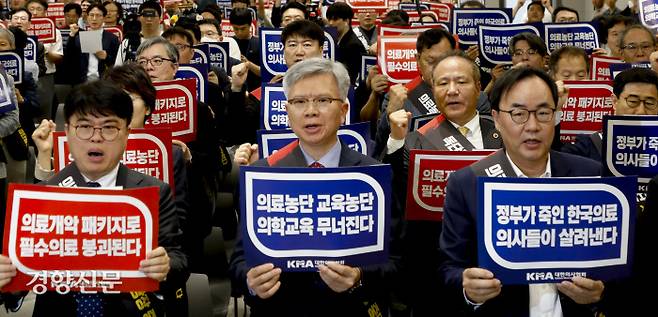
x: 432, y: 268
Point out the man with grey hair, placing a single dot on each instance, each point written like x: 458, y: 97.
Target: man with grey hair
x: 636, y: 44
x: 159, y: 58
x: 316, y: 89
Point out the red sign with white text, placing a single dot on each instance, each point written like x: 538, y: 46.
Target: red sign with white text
x: 80, y: 239
x: 428, y: 176
x: 442, y: 10
x: 175, y: 108
x: 43, y: 29
x: 397, y: 58
x: 148, y: 152
x: 116, y: 30
x: 359, y: 6
x: 583, y: 111
x: 388, y: 30
x: 55, y: 12
x: 600, y: 67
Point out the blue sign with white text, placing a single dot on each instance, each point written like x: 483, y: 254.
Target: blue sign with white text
x: 649, y: 13
x: 355, y: 136
x: 13, y: 65
x: 200, y: 73
x: 200, y: 54
x: 218, y: 54
x: 6, y: 103
x: 465, y: 22
x: 545, y: 230
x: 617, y: 68
x: 272, y: 61
x: 581, y: 35
x: 299, y: 218
x: 366, y: 63
x: 494, y: 41
x: 30, y: 51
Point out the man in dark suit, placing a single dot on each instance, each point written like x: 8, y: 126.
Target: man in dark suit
x: 635, y: 93
x: 523, y: 107
x: 92, y: 66
x: 349, y: 49
x: 107, y: 109
x: 316, y: 90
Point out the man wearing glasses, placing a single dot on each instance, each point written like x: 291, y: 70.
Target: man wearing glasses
x: 523, y: 105
x: 526, y: 49
x: 97, y: 117
x: 92, y: 66
x: 635, y: 93
x: 636, y: 44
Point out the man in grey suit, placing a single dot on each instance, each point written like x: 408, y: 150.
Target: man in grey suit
x: 97, y: 117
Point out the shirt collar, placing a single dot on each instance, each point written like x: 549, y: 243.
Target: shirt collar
x: 108, y: 180
x: 330, y: 159
x: 519, y: 173
x: 472, y: 125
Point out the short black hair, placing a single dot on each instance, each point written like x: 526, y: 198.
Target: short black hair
x: 303, y: 28
x: 12, y: 12
x: 43, y: 3
x: 214, y: 10
x: 240, y: 17
x: 399, y: 13
x: 119, y: 9
x: 563, y: 51
x: 73, y: 6
x: 178, y: 31
x: 133, y: 78
x: 150, y: 4
x: 340, y: 10
x: 473, y: 4
x: 608, y: 22
x: 431, y: 37
x: 240, y: 1
x: 634, y: 75
x: 513, y: 76
x: 190, y: 24
x: 535, y: 3
x: 535, y: 42
x: 211, y: 21
x: 562, y: 8
x: 98, y: 6
x: 98, y: 98
x: 295, y: 5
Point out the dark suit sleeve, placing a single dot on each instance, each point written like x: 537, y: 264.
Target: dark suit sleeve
x: 111, y: 49
x: 169, y: 237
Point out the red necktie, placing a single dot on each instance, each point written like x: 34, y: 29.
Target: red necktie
x: 316, y: 165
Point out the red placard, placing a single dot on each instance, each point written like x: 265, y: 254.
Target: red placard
x: 116, y: 30
x: 175, y: 108
x: 359, y: 6
x: 442, y: 10
x: 583, y: 111
x: 55, y: 12
x: 43, y: 29
x: 428, y: 176
x: 388, y: 30
x: 80, y: 239
x: 600, y: 67
x: 397, y: 58
x: 148, y: 152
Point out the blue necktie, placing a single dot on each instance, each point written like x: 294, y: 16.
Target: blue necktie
x: 89, y: 305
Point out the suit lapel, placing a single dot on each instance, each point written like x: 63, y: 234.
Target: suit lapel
x: 490, y: 136
x: 126, y: 179
x: 348, y: 157
x: 559, y: 168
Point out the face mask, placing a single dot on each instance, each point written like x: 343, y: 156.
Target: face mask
x: 206, y: 39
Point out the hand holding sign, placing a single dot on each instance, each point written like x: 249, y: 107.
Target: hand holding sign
x: 339, y: 277
x: 156, y: 265
x: 7, y: 271
x: 480, y: 285
x: 399, y: 124
x: 582, y: 290
x: 264, y: 280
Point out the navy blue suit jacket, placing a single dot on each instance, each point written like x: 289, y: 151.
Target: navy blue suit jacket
x: 73, y: 52
x: 458, y: 241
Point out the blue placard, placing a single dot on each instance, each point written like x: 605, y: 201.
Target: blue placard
x: 30, y: 51
x: 366, y: 63
x: 218, y: 54
x: 545, y: 230
x: 228, y: 9
x: 223, y: 3
x: 298, y: 218
x: 494, y: 41
x: 272, y: 61
x: 649, y: 13
x: 5, y: 99
x: 465, y: 22
x: 581, y: 35
x: 200, y: 73
x: 630, y: 146
x: 13, y: 65
x: 617, y: 68
x: 273, y: 114
x: 201, y: 54
x: 356, y: 136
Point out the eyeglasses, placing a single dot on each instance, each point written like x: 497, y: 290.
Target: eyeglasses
x: 94, y: 16
x: 521, y: 116
x: 85, y: 132
x: 644, y: 47
x: 181, y: 47
x: 529, y: 52
x: 320, y: 102
x: 155, y: 61
x: 634, y: 101
x: 19, y: 18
